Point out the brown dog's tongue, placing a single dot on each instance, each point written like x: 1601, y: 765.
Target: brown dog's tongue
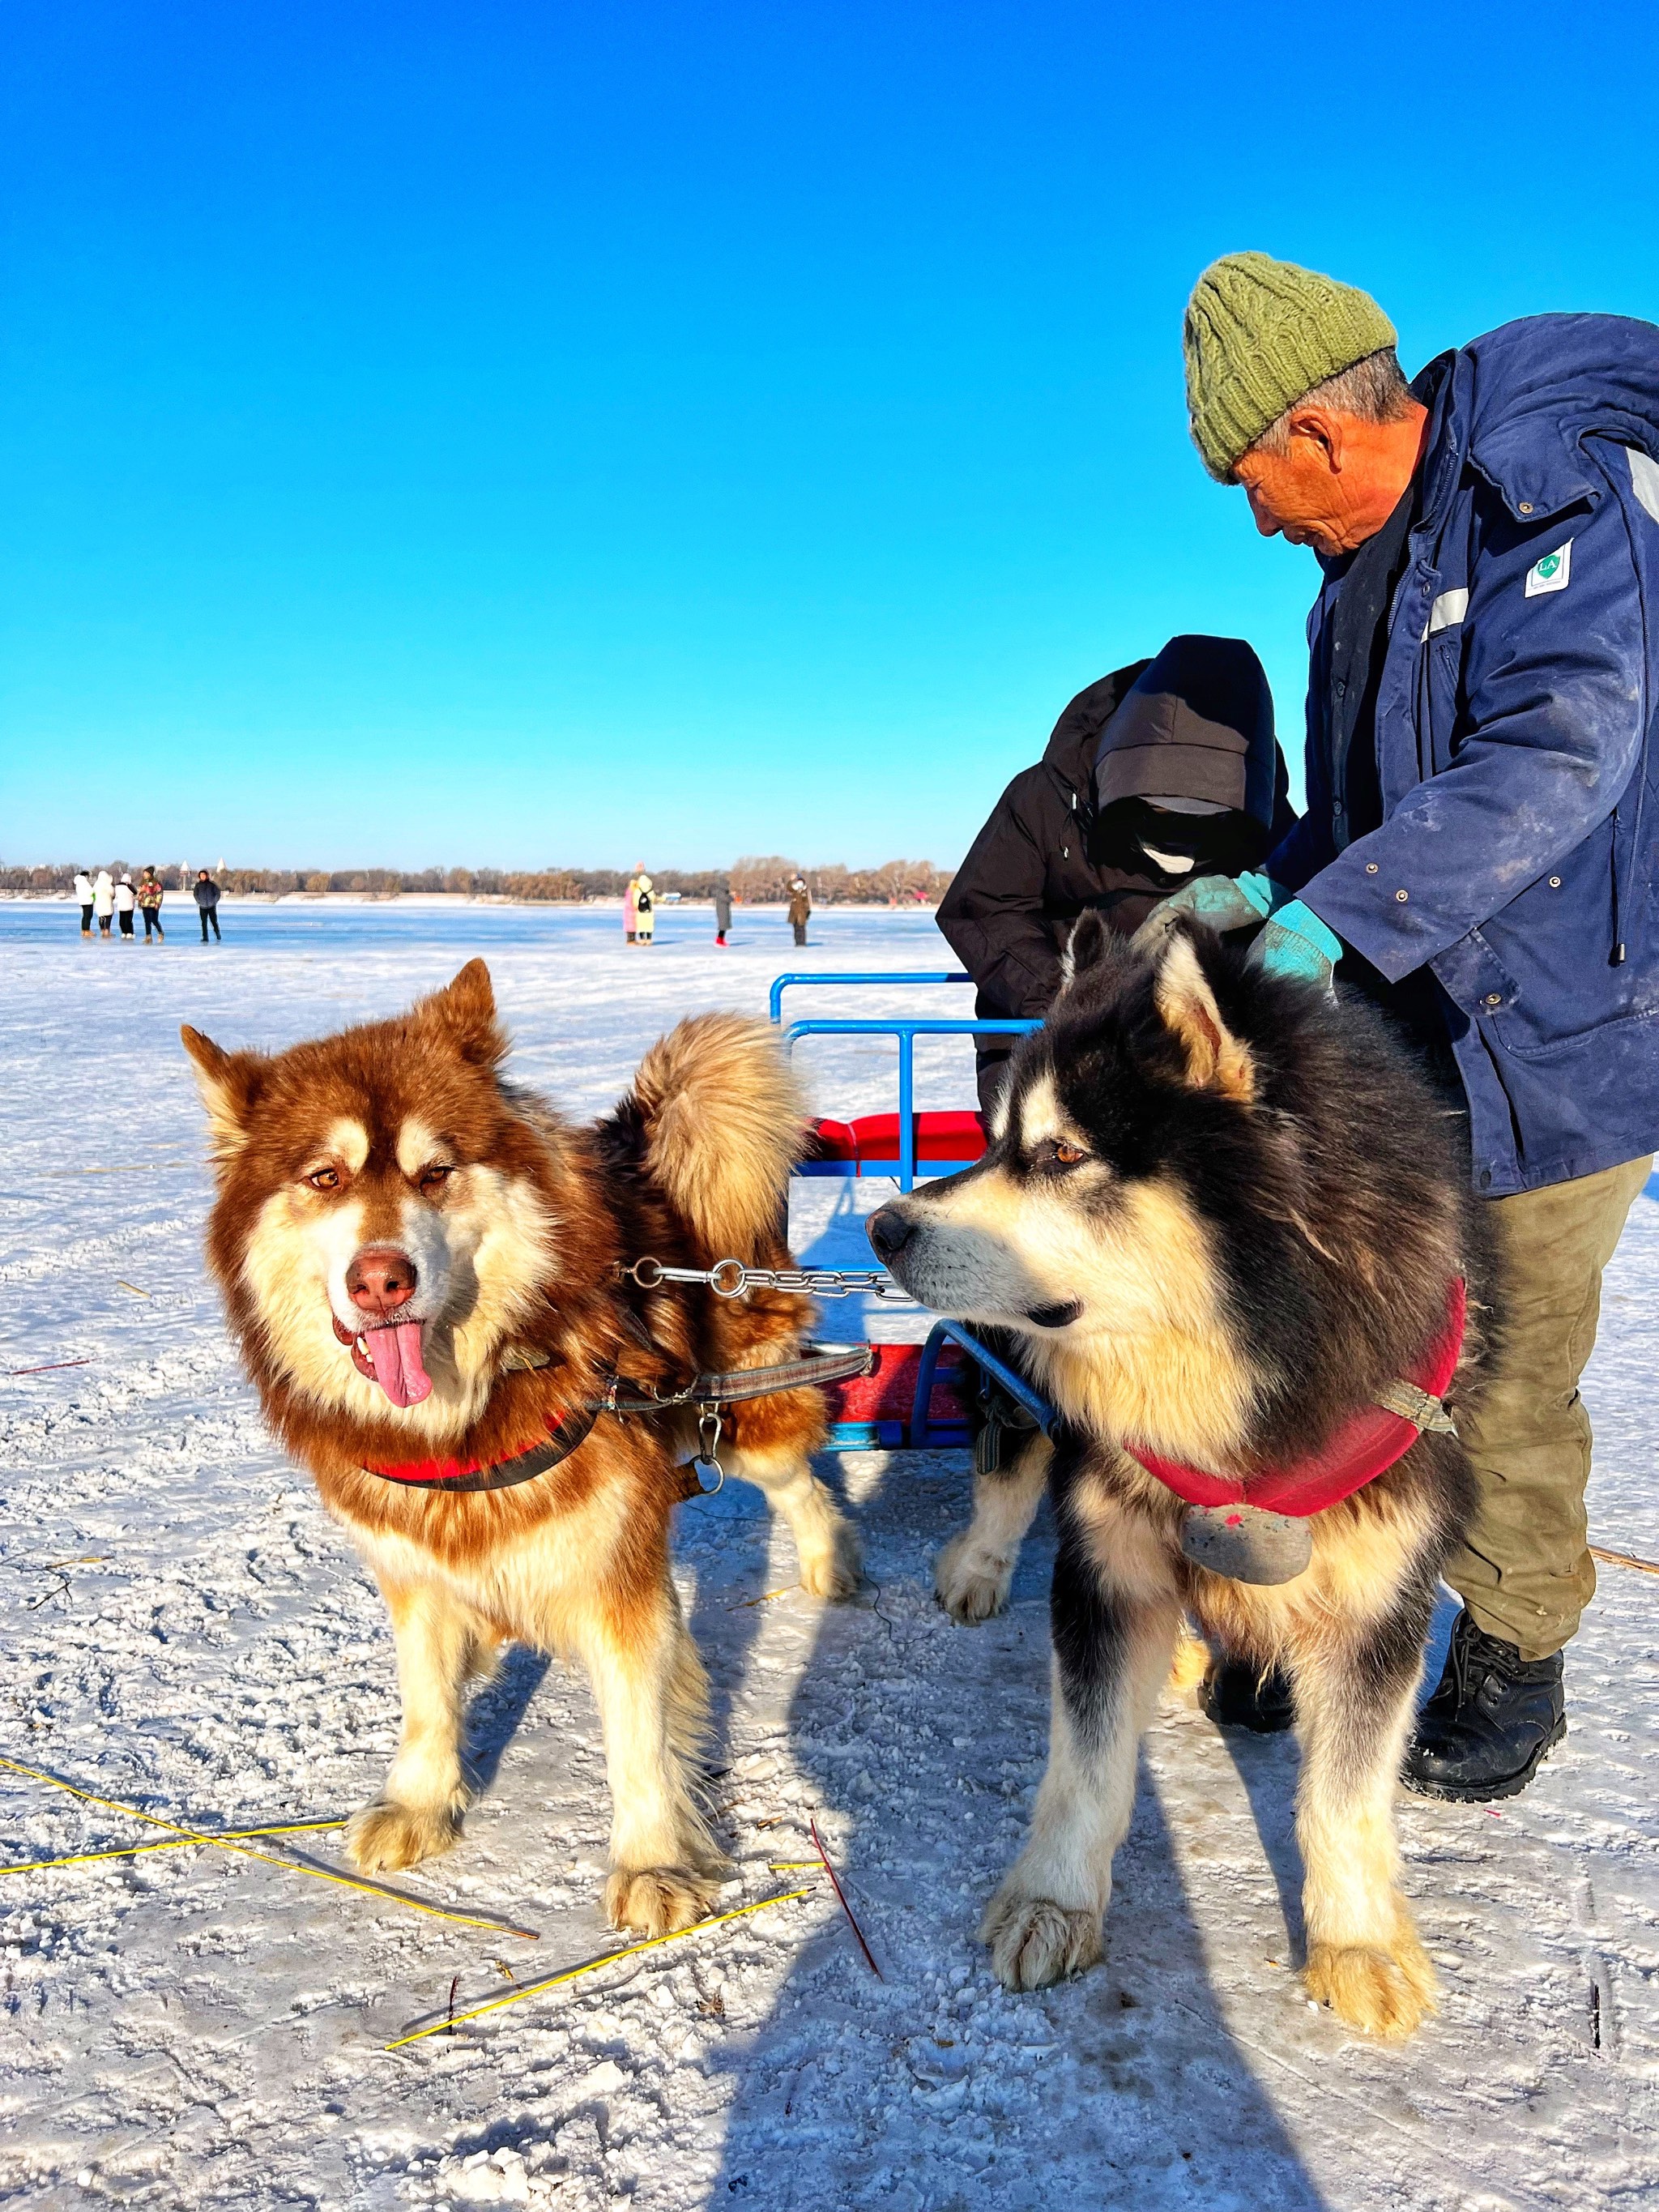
x: 396, y: 1352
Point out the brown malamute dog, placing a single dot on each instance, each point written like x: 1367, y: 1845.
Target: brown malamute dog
x: 1226, y: 1217
x: 420, y: 1262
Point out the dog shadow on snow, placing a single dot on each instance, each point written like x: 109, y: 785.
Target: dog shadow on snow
x: 932, y: 2086
x: 923, y: 1743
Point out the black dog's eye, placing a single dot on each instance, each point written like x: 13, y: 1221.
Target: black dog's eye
x: 324, y: 1179
x: 434, y: 1178
x: 1054, y: 1152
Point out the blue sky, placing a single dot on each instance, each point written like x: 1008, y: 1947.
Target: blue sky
x: 570, y: 433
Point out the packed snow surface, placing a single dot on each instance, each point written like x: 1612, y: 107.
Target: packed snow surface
x: 186, y: 1633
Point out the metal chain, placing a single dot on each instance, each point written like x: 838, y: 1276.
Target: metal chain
x: 729, y: 1279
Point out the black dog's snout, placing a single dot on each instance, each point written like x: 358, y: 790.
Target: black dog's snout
x: 889, y: 1231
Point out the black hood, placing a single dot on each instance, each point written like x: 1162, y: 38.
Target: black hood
x: 1194, y: 722
x: 1075, y: 739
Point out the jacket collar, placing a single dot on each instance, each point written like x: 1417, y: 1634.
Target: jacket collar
x: 1516, y: 403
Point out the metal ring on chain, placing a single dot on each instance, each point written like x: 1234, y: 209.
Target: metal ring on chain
x: 729, y: 1279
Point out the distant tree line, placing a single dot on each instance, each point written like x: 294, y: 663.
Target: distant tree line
x: 762, y: 881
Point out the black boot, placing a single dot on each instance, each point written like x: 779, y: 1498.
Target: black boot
x: 1490, y: 1723
x: 1237, y: 1695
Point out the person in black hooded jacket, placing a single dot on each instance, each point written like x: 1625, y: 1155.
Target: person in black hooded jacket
x: 1165, y: 770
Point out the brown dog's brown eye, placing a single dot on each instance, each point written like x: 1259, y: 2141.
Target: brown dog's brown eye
x: 434, y: 1178
x: 324, y: 1179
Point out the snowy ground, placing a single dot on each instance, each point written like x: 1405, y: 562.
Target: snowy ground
x: 186, y: 1630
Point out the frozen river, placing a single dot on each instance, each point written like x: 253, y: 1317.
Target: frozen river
x: 185, y: 1631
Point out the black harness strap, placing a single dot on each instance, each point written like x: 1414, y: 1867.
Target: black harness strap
x: 622, y: 1397
x: 741, y: 1384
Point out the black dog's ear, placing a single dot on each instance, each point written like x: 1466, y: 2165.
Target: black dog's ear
x: 1216, y: 1059
x: 1087, y: 946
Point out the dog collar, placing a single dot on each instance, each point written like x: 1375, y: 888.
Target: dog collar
x: 564, y: 1433
x: 1362, y: 1449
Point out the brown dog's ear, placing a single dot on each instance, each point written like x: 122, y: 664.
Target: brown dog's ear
x: 465, y: 1011
x: 1216, y: 1059
x: 229, y: 1082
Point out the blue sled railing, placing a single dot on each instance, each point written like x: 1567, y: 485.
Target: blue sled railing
x: 782, y: 983
x: 924, y: 1432
x: 907, y: 1032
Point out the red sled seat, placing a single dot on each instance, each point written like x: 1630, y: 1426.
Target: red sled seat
x: 876, y: 1410
x: 954, y: 1139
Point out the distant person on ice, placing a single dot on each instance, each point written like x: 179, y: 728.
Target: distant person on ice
x: 83, y: 894
x: 801, y: 907
x: 150, y: 895
x: 125, y: 899
x: 645, y: 908
x: 630, y: 908
x: 205, y: 892
x: 103, y: 900
x: 1165, y: 771
x: 722, y: 911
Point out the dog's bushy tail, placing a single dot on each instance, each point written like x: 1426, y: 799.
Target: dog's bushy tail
x: 725, y: 1123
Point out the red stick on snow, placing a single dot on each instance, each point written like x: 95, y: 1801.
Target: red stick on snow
x: 50, y: 1368
x: 852, y: 1921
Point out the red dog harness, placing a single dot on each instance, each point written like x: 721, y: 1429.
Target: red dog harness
x: 1361, y: 1450
x: 707, y: 1394
x: 564, y: 1433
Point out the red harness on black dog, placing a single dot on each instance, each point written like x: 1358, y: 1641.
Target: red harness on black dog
x: 1361, y: 1450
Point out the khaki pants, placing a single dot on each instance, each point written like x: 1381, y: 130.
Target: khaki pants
x: 1524, y: 1572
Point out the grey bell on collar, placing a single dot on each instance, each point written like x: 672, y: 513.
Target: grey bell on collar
x: 1246, y: 1543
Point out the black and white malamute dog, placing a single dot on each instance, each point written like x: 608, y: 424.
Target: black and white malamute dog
x: 1230, y: 1223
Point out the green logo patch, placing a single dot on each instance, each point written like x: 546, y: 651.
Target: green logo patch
x: 1552, y: 573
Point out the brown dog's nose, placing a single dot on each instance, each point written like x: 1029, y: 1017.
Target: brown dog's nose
x: 380, y: 1280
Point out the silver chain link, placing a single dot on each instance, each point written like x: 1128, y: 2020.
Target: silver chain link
x: 729, y: 1279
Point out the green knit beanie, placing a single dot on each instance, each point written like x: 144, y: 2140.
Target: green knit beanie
x: 1259, y: 335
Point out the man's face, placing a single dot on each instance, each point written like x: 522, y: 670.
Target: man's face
x: 1292, y: 496
x: 1337, y: 481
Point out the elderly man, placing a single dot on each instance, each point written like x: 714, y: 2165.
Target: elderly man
x: 1483, y: 694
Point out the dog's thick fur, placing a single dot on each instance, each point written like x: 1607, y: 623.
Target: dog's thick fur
x: 1222, y: 1212
x: 515, y: 1222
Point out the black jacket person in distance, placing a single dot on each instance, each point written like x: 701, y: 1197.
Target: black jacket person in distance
x: 1166, y: 769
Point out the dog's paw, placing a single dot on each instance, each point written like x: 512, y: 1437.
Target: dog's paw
x: 833, y: 1565
x: 657, y: 1901
x: 1034, y: 1941
x: 971, y: 1583
x: 385, y: 1836
x: 1383, y: 1993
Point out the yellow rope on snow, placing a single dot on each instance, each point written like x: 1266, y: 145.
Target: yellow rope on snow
x: 492, y: 1921
x: 574, y: 1973
x: 173, y: 1844
x: 765, y: 1597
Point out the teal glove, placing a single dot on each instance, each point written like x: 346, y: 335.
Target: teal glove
x: 1298, y: 944
x: 1224, y: 902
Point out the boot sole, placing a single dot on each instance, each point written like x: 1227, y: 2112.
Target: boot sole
x: 1510, y: 1786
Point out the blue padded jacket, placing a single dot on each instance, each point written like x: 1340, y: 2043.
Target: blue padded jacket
x: 1516, y: 721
